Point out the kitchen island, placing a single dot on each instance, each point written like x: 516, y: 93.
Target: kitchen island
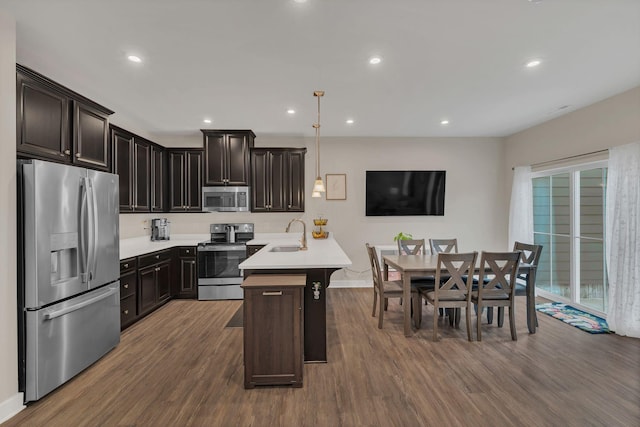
x: 318, y: 262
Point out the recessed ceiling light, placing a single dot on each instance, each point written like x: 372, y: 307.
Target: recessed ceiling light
x: 533, y: 63
x: 291, y: 111
x: 207, y: 121
x: 375, y: 60
x: 349, y: 121
x: 134, y: 58
x: 444, y: 122
x: 300, y: 1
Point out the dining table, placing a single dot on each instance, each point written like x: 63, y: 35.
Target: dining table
x: 409, y: 266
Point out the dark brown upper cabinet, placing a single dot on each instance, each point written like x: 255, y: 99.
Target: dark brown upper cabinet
x: 226, y: 156
x: 55, y: 123
x: 132, y: 163
x: 277, y: 179
x: 158, y: 178
x: 185, y: 180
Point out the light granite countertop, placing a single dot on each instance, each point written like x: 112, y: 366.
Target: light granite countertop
x: 321, y: 253
x: 143, y: 245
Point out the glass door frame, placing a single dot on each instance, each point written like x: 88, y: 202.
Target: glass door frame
x: 574, y: 237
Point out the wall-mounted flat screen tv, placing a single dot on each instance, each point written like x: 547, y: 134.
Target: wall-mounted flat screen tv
x: 405, y: 193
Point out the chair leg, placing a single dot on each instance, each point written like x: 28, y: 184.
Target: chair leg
x: 386, y: 303
x: 381, y: 314
x: 417, y: 310
x: 467, y: 316
x: 479, y: 317
x: 500, y: 317
x: 375, y: 301
x: 435, y: 323
x: 512, y: 323
x: 490, y: 315
x: 458, y: 314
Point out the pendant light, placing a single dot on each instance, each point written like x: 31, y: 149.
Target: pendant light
x: 318, y: 185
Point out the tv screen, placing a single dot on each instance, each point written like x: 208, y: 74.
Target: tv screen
x: 405, y: 193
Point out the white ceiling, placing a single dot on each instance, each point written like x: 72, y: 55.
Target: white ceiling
x: 243, y: 63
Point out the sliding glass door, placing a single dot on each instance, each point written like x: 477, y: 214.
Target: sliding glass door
x: 569, y: 221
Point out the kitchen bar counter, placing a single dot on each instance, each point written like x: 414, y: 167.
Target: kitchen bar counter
x: 143, y: 245
x: 323, y: 257
x: 321, y: 253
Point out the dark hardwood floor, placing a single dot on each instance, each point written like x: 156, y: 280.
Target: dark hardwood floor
x: 181, y: 367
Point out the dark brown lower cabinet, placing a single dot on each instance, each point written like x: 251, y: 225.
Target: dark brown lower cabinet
x: 273, y: 329
x: 186, y: 280
x: 128, y: 292
x: 153, y: 286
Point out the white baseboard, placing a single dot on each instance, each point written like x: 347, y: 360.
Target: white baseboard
x: 351, y: 284
x: 11, y: 407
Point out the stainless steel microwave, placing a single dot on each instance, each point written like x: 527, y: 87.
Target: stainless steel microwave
x: 225, y: 199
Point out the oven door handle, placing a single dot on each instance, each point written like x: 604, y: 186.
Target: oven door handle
x: 226, y: 248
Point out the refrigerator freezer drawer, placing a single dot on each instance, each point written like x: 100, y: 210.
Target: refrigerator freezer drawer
x: 66, y: 338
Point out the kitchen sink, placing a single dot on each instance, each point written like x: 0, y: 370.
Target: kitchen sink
x: 289, y: 248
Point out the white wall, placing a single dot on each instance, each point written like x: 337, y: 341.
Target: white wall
x: 608, y: 123
x: 475, y: 201
x: 10, y: 399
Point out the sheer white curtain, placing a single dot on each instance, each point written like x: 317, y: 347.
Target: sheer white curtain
x: 521, y: 208
x: 623, y: 245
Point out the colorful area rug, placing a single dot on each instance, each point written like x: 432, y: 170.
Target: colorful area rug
x: 574, y: 317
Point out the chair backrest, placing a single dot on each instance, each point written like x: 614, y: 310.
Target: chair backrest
x: 530, y: 253
x: 443, y: 246
x: 497, y: 273
x: 375, y: 267
x: 454, y: 275
x: 411, y: 247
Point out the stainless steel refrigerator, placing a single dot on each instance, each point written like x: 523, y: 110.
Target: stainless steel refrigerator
x: 68, y: 255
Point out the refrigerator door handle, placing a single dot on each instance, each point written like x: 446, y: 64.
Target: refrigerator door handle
x: 58, y: 313
x: 84, y: 232
x: 93, y: 235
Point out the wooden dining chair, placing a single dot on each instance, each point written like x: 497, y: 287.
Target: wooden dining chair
x: 415, y: 247
x: 453, y: 281
x: 411, y: 247
x: 443, y: 246
x: 382, y: 289
x: 496, y: 285
x: 530, y: 254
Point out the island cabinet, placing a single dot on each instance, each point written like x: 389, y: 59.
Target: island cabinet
x: 226, y: 156
x: 185, y: 276
x: 273, y: 329
x: 154, y: 280
x: 58, y: 124
x: 277, y: 179
x: 132, y: 163
x: 185, y: 180
x: 128, y: 292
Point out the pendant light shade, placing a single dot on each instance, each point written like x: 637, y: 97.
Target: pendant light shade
x: 318, y: 185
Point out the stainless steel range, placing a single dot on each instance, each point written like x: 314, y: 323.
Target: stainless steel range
x: 218, y: 259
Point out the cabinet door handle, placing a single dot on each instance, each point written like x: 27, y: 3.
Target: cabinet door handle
x: 157, y: 256
x: 78, y: 155
x: 272, y: 293
x: 187, y: 251
x: 126, y: 312
x: 126, y: 286
x: 125, y: 266
x: 193, y: 262
x: 67, y: 152
x: 157, y: 268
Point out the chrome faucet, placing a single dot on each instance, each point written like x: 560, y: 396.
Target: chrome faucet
x: 303, y: 242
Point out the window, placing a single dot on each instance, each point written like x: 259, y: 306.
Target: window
x: 569, y: 221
